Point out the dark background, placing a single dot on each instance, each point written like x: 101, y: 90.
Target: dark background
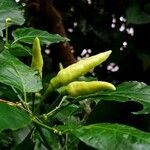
x: 100, y: 25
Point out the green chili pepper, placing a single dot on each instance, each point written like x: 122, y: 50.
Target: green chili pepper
x: 75, y: 70
x: 37, y: 59
x: 78, y: 88
x: 78, y: 69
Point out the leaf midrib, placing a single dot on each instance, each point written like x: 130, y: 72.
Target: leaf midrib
x: 31, y: 36
x: 108, y: 127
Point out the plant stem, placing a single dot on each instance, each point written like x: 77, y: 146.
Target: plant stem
x: 25, y: 101
x: 45, y: 95
x: 33, y: 101
x: 66, y: 142
x: 18, y: 95
x: 56, y: 108
x: 39, y: 122
x: 8, y: 21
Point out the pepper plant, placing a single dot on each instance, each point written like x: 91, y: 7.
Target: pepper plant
x: 60, y: 113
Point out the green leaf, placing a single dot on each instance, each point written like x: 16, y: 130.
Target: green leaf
x: 19, y: 50
x: 113, y: 137
x: 6, y: 92
x: 5, y: 140
x: 10, y: 9
x: 15, y: 73
x: 66, y: 115
x: 127, y: 91
x: 20, y: 135
x: 12, y: 118
x: 8, y: 4
x: 26, y: 144
x: 135, y: 14
x: 2, y: 44
x: 51, y: 139
x: 27, y: 35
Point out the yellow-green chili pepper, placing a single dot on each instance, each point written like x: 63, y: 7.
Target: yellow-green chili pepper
x: 78, y: 88
x: 78, y: 69
x: 75, y: 70
x: 37, y: 59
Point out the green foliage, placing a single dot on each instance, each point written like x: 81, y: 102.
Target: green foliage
x: 26, y: 35
x: 10, y: 9
x: 137, y: 15
x: 16, y: 74
x: 113, y: 136
x: 100, y: 136
x: 12, y: 118
x: 29, y: 120
x: 19, y: 50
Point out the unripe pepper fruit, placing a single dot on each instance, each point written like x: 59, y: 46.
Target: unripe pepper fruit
x: 78, y: 69
x: 37, y: 59
x: 75, y: 70
x: 78, y: 88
